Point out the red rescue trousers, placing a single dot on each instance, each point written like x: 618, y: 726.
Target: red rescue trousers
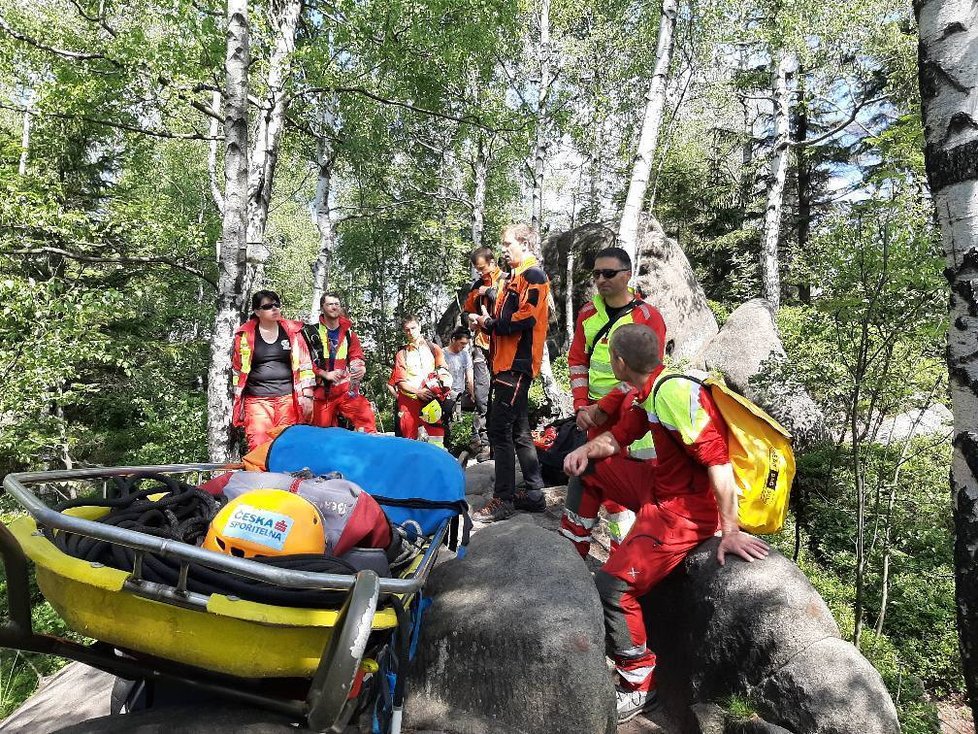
x: 355, y: 408
x: 409, y: 417
x: 665, y: 531
x: 262, y: 414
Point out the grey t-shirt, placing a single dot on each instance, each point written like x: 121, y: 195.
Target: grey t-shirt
x: 458, y: 364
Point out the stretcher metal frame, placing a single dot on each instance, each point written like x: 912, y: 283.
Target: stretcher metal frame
x: 327, y: 707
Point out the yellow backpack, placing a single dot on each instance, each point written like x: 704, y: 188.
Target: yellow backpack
x: 761, y: 455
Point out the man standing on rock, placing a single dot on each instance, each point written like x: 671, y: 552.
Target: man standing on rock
x: 422, y: 381
x: 591, y: 376
x: 518, y: 328
x: 681, y: 499
x: 339, y: 367
x: 482, y: 295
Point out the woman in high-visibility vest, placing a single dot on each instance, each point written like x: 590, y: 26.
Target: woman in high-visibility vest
x: 274, y: 379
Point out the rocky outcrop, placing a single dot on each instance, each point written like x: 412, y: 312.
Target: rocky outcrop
x: 667, y: 279
x: 759, y: 630
x: 513, y: 642
x: 664, y: 275
x: 936, y: 418
x: 749, y: 353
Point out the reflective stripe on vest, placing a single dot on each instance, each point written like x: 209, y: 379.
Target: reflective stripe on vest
x: 679, y: 408
x: 341, y: 348
x: 245, y: 354
x: 601, y: 379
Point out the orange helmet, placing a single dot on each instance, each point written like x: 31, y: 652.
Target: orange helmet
x: 266, y: 522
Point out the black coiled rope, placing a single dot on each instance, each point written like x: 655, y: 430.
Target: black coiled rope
x: 183, y: 512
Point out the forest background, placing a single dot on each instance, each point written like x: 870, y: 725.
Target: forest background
x: 158, y: 163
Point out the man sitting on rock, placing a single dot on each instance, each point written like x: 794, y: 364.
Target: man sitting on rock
x: 684, y: 496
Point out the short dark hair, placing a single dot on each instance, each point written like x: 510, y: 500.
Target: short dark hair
x: 409, y: 317
x: 484, y: 252
x: 330, y: 295
x: 461, y: 333
x: 638, y: 346
x: 616, y: 252
x: 259, y: 296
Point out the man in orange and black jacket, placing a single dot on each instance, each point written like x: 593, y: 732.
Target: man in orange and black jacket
x: 518, y: 330
x: 482, y: 294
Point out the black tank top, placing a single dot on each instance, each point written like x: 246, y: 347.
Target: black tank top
x: 271, y: 367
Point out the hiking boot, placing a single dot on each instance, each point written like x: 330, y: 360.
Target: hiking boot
x: 632, y: 703
x: 495, y: 509
x: 531, y: 501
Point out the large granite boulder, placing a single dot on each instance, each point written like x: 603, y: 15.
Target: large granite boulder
x: 663, y: 273
x: 669, y: 283
x: 749, y: 353
x: 916, y: 423
x: 760, y: 630
x: 513, y: 642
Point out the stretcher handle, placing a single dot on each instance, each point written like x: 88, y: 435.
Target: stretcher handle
x: 17, y: 486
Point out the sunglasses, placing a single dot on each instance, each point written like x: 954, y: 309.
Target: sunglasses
x: 269, y: 306
x: 607, y: 273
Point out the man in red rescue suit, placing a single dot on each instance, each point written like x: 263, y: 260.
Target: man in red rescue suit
x: 340, y: 367
x: 518, y: 327
x: 482, y: 295
x: 422, y: 379
x: 591, y: 378
x: 681, y: 498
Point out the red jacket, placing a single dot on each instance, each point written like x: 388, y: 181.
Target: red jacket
x: 413, y: 371
x: 303, y: 377
x: 578, y: 360
x: 348, y: 352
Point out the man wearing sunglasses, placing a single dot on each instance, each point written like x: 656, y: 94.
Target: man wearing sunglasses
x: 614, y: 305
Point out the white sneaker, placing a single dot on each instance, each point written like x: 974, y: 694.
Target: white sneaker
x: 632, y: 703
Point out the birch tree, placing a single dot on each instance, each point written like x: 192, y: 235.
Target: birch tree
x: 265, y: 151
x: 783, y: 65
x: 234, y: 240
x: 655, y: 102
x: 539, y: 155
x: 948, y: 69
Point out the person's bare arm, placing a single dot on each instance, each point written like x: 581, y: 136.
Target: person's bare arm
x: 604, y: 445
x: 733, y: 539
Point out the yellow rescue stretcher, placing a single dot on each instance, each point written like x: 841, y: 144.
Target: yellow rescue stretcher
x: 216, y: 643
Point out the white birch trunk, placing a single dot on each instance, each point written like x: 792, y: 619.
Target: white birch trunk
x: 655, y: 102
x: 264, y: 154
x: 777, y: 176
x: 480, y: 172
x: 325, y: 158
x: 543, y: 118
x: 25, y: 144
x: 231, y: 266
x: 213, y: 130
x: 569, y: 321
x: 949, y: 94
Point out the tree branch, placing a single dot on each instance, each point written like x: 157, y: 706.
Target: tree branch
x: 838, y: 128
x: 112, y: 123
x: 116, y: 260
x: 98, y: 20
x: 465, y: 119
x: 64, y: 53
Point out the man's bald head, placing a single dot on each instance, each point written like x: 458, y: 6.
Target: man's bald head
x: 637, y: 346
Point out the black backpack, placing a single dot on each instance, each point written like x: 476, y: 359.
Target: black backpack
x: 569, y: 437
